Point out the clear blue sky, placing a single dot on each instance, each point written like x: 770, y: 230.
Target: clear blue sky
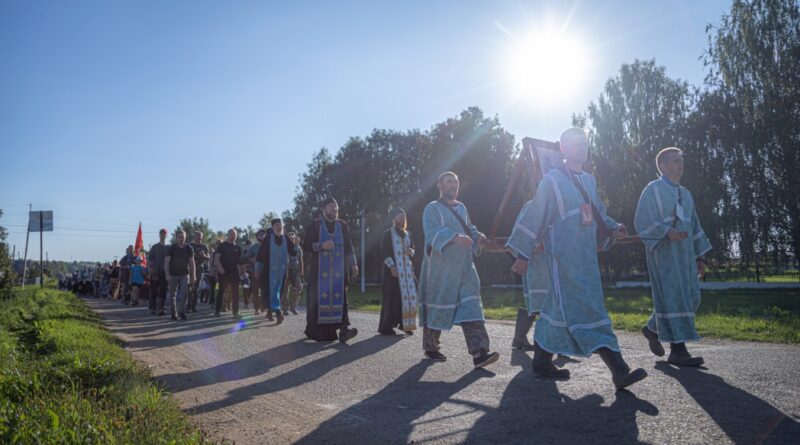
x: 117, y: 112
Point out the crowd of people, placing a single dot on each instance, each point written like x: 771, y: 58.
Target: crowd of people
x: 555, y: 241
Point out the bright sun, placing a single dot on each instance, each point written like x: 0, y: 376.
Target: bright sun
x: 547, y: 66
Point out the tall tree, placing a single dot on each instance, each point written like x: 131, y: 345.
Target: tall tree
x: 753, y: 63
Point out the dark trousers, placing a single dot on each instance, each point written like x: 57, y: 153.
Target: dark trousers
x: 158, y: 292
x: 230, y: 280
x: 194, y: 289
x: 212, y: 281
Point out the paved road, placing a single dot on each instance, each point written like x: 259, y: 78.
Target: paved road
x: 255, y: 382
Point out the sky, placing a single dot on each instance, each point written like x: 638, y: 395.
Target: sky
x: 115, y: 113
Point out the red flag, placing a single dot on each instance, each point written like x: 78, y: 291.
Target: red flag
x: 138, y: 247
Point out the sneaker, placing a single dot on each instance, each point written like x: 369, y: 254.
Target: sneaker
x: 486, y: 359
x: 285, y: 312
x: 279, y: 318
x: 183, y: 316
x: 435, y: 356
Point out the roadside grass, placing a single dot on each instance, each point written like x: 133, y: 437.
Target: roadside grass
x: 771, y: 315
x: 64, y: 379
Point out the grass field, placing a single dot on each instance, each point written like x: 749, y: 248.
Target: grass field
x: 758, y: 315
x: 64, y: 379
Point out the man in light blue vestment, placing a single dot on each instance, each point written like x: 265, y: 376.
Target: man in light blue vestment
x: 567, y: 216
x: 666, y: 220
x: 449, y: 288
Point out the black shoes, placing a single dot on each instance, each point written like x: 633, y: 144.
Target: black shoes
x: 652, y: 341
x: 679, y: 356
x: 621, y: 373
x: 160, y: 313
x: 486, y: 359
x: 173, y: 317
x: 183, y: 316
x: 346, y: 335
x: 542, y: 365
x: 435, y: 356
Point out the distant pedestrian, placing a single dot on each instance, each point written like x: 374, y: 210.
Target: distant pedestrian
x: 181, y: 274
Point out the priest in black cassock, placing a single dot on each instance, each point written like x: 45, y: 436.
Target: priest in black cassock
x: 332, y: 262
x: 399, y: 305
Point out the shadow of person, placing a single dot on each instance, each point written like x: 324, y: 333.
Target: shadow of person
x: 346, y: 354
x: 250, y: 366
x: 396, y: 409
x: 744, y: 418
x: 533, y: 410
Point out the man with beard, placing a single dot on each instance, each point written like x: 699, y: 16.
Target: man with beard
x: 273, y: 257
x: 333, y: 264
x: 399, y: 305
x: 450, y: 289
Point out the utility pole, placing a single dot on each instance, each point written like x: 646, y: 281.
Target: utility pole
x: 363, y: 253
x: 41, y: 249
x: 27, y: 237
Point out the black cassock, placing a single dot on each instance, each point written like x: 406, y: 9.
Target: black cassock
x: 392, y: 304
x: 314, y: 330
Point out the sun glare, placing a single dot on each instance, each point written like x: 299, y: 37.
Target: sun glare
x: 547, y: 66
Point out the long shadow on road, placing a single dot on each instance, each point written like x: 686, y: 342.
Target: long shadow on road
x: 745, y: 418
x: 531, y: 411
x: 251, y: 366
x: 396, y: 408
x: 533, y: 408
x: 309, y: 372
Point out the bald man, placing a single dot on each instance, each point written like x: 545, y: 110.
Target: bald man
x: 567, y: 216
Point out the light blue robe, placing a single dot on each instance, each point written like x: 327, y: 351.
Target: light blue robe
x: 672, y: 267
x: 574, y: 320
x: 449, y: 287
x: 536, y: 283
x: 278, y: 264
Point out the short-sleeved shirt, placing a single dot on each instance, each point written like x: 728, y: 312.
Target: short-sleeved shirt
x: 251, y: 254
x: 137, y: 274
x: 157, y: 254
x: 294, y: 261
x: 199, y: 261
x: 179, y: 259
x: 229, y: 255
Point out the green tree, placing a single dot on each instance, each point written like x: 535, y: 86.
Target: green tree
x: 191, y: 225
x: 753, y: 63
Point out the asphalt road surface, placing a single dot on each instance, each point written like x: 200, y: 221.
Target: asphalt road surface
x: 255, y: 382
